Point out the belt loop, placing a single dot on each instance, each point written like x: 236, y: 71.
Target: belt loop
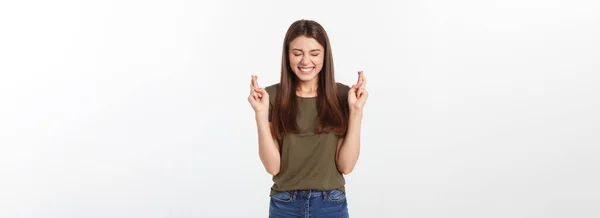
x: 324, y: 194
x: 294, y: 194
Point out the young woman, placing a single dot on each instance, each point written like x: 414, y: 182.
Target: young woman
x: 308, y: 127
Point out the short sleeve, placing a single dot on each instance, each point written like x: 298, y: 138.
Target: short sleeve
x: 270, y: 111
x: 272, y: 90
x: 343, y: 97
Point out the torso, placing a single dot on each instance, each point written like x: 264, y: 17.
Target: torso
x: 308, y: 159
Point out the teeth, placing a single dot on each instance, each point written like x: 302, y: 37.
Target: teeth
x: 306, y: 69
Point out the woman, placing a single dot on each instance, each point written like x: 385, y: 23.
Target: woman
x: 308, y: 127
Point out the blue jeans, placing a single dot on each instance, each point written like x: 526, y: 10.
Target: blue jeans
x: 309, y: 203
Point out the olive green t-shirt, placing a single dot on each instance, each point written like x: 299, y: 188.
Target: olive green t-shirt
x: 308, y: 159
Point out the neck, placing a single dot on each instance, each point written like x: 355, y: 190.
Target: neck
x: 308, y: 86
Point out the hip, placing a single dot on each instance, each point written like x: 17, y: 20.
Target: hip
x: 309, y: 203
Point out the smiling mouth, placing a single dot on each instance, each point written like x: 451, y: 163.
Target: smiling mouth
x: 306, y: 70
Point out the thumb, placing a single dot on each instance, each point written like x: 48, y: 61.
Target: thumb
x: 252, y: 99
x: 262, y: 91
x: 264, y: 94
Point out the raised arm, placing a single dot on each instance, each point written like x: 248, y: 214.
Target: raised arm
x: 348, y: 148
x: 268, y: 148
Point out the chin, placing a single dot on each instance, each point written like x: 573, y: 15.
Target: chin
x: 306, y: 78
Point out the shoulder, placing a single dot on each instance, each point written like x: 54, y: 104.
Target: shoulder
x: 272, y: 90
x: 342, y: 88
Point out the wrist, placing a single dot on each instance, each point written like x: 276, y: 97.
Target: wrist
x: 261, y: 116
x: 356, y: 112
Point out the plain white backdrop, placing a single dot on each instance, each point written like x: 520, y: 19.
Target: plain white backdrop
x: 138, y: 108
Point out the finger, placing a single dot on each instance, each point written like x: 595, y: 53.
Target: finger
x: 261, y: 91
x: 256, y: 82
x: 361, y: 92
x: 251, y: 98
x: 359, y: 81
x: 364, y: 80
x: 352, y: 89
x: 252, y: 86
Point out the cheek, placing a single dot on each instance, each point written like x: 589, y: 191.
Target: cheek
x: 318, y: 61
x: 294, y: 60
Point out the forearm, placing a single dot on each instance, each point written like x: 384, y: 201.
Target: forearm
x: 268, y: 148
x: 350, y: 148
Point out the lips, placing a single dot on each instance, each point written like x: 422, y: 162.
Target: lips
x: 306, y: 70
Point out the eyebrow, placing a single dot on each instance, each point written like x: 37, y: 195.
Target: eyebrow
x: 308, y: 51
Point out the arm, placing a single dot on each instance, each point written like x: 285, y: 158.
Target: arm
x: 348, y: 148
x: 268, y: 148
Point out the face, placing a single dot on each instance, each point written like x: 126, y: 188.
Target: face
x: 306, y: 57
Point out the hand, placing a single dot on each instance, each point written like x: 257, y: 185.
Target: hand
x: 357, y: 96
x: 259, y: 98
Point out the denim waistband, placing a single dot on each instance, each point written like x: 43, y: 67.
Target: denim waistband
x: 309, y: 193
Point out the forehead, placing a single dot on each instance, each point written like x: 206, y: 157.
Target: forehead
x: 305, y: 43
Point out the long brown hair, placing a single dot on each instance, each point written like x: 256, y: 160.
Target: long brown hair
x: 331, y: 116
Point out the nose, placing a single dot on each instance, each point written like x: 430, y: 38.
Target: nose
x: 305, y: 61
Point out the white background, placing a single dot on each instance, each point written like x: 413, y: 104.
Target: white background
x: 138, y: 108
